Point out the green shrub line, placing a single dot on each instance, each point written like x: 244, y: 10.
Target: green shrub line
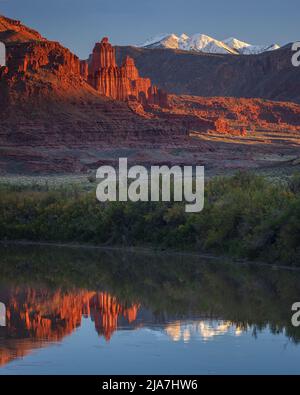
x: 245, y: 216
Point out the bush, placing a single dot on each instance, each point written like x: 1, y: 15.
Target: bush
x: 245, y: 216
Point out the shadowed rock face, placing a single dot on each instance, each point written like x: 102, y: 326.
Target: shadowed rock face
x: 270, y: 75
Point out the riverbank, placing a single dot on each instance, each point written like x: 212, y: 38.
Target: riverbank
x: 245, y: 217
x: 150, y: 251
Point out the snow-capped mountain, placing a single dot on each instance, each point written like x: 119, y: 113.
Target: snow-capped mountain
x: 204, y: 43
x: 166, y: 41
x: 248, y: 49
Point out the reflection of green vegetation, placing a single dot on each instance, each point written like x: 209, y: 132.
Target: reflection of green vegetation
x: 244, y: 216
x: 170, y: 286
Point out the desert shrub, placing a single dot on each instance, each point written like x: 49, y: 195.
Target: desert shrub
x: 245, y: 216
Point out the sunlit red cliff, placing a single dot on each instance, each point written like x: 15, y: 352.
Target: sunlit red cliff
x: 59, y: 114
x: 120, y: 83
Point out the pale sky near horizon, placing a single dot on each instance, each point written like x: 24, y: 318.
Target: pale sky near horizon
x: 77, y: 24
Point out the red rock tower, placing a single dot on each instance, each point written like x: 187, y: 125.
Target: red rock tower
x: 120, y: 83
x: 130, y: 69
x: 104, y: 55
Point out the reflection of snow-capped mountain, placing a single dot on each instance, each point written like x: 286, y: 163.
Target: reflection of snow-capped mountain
x: 204, y: 330
x: 204, y: 43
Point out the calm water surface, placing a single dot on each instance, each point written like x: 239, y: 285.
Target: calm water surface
x: 81, y: 311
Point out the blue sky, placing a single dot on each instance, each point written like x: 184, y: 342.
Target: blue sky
x: 77, y: 24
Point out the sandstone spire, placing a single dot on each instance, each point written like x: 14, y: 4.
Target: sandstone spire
x: 121, y: 83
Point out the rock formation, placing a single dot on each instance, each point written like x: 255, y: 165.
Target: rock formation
x: 53, y: 120
x: 32, y: 56
x: 120, y: 83
x: 12, y: 30
x: 46, y: 102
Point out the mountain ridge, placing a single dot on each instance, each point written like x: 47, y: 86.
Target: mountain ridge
x: 203, y: 43
x: 269, y: 75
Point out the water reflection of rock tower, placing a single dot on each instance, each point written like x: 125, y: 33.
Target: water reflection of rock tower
x: 105, y: 312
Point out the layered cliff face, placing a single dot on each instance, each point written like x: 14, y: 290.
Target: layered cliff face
x: 36, y: 68
x: 14, y: 31
x: 231, y: 115
x: 59, y: 114
x: 119, y: 83
x: 48, y: 110
x: 39, y: 70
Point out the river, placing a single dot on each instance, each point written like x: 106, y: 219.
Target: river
x: 85, y: 311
